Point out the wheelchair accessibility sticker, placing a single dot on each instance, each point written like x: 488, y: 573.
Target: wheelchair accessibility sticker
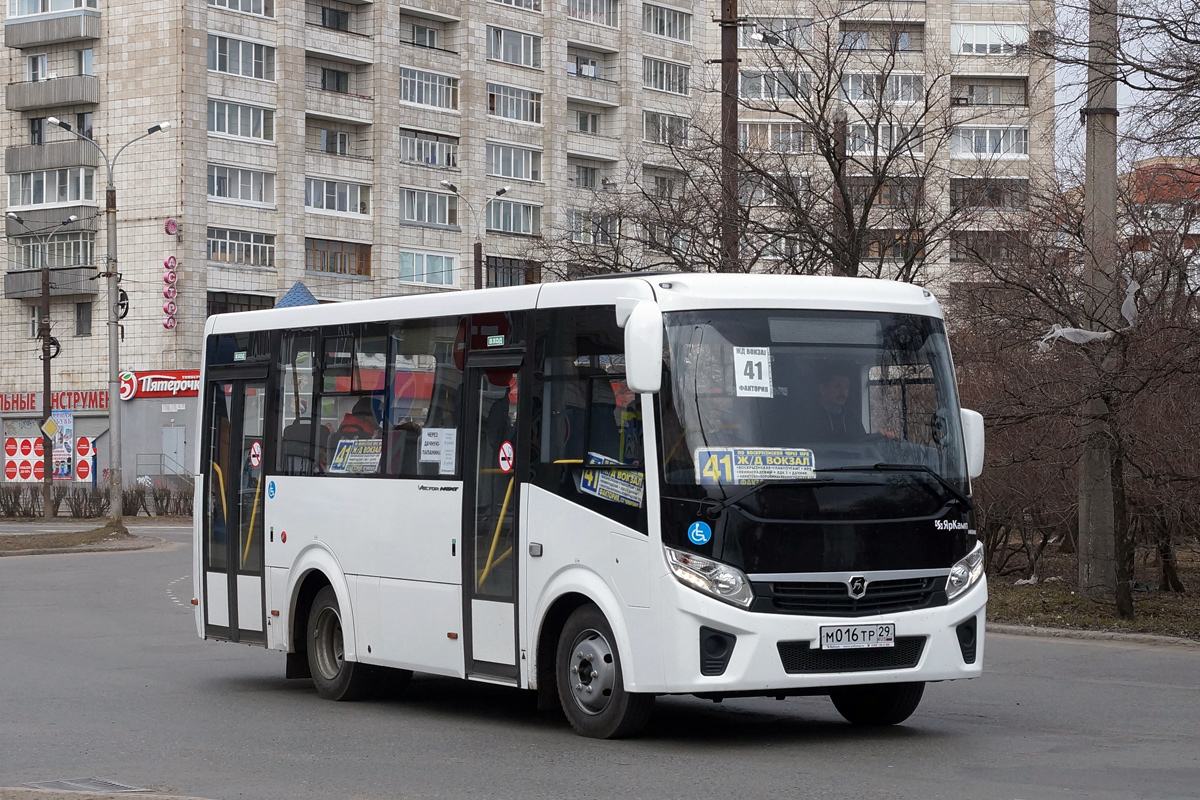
x: 699, y: 533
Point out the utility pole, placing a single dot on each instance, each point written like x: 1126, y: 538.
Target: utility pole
x: 729, y: 136
x: 1097, y: 521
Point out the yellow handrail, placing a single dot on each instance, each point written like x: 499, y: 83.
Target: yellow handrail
x: 221, y: 479
x: 253, y: 516
x: 487, y: 567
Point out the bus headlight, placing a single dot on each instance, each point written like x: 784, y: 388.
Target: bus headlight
x: 711, y: 577
x: 966, y: 573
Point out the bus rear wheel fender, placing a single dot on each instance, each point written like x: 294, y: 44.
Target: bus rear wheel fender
x: 313, y: 569
x: 590, y: 682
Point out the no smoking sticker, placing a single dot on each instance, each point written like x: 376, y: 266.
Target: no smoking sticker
x: 255, y: 454
x: 506, y: 457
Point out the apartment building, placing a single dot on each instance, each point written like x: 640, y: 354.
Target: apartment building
x: 362, y: 148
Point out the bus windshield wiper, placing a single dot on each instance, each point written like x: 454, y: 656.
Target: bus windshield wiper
x: 953, y: 491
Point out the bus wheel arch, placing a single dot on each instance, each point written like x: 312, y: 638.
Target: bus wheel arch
x: 547, y: 646
x: 302, y: 600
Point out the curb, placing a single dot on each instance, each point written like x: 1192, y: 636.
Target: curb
x: 25, y: 793
x: 143, y: 543
x: 1105, y: 636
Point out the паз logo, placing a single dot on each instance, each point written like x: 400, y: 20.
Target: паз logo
x: 128, y: 385
x: 857, y: 586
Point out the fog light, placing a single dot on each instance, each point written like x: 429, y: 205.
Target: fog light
x: 716, y: 648
x: 967, y: 639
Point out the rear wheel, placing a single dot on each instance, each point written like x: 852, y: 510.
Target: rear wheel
x: 334, y: 676
x: 879, y: 704
x: 590, y: 684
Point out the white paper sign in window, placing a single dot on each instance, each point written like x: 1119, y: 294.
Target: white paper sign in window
x: 752, y: 367
x: 438, y: 445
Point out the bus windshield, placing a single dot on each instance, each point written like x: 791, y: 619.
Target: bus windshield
x: 754, y: 396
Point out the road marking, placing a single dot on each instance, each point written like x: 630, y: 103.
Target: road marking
x: 171, y: 592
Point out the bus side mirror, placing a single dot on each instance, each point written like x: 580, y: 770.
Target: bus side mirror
x: 643, y: 323
x: 972, y: 426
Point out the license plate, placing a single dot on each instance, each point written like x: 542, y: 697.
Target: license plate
x: 843, y: 637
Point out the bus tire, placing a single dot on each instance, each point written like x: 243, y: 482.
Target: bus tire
x: 877, y: 704
x: 334, y: 676
x: 590, y: 683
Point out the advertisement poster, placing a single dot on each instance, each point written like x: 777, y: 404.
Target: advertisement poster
x: 64, y: 445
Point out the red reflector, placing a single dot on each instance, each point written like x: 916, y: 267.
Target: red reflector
x: 283, y: 536
x: 195, y: 602
x: 274, y: 612
x: 451, y: 635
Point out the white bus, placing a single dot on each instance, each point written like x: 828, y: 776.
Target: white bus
x: 603, y: 490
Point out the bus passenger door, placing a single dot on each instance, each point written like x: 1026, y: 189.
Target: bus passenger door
x: 491, y: 491
x: 233, y: 509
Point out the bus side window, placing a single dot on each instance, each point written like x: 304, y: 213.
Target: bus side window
x: 352, y: 403
x: 584, y: 415
x: 425, y: 406
x: 298, y: 441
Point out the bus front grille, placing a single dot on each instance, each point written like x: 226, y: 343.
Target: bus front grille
x: 798, y: 657
x: 834, y: 600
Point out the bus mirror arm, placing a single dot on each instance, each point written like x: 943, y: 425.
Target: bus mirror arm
x: 643, y: 323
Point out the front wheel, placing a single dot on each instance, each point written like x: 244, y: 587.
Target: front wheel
x: 334, y: 676
x: 590, y: 684
x: 878, y: 704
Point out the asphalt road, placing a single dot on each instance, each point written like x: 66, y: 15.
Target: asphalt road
x: 101, y: 675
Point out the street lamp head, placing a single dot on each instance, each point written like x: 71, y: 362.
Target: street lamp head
x: 162, y: 126
x: 14, y: 217
x: 58, y: 122
x: 449, y: 186
x: 503, y: 190
x: 70, y: 219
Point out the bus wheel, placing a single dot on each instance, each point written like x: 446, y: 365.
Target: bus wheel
x: 879, y: 704
x: 334, y: 676
x: 590, y: 684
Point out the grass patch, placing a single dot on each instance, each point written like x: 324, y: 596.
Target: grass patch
x: 43, y: 541
x: 1053, y: 602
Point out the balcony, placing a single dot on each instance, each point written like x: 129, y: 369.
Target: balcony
x: 75, y: 25
x: 45, y: 219
x: 339, y: 106
x: 592, y: 89
x: 354, y: 169
x: 33, y: 157
x: 438, y: 10
x: 352, y: 48
x: 593, y: 146
x: 72, y: 90
x: 64, y: 282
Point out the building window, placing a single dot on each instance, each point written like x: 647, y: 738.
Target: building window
x: 229, y: 302
x: 241, y: 185
x: 431, y: 149
x: 236, y: 57
x: 60, y: 250
x: 862, y: 139
x: 335, y: 18
x: 428, y: 88
x: 510, y: 161
x: 528, y: 5
x: 598, y: 12
x: 985, y: 92
x: 37, y: 130
x: 262, y: 8
x: 83, y: 319
x: 586, y: 122
x: 24, y: 8
x: 667, y: 22
x: 336, y: 143
x: 852, y: 39
x: 337, y: 258
x: 771, y: 32
x: 987, y: 40
x: 35, y: 321
x: 433, y: 268
x: 514, y: 47
x: 425, y: 36
x: 242, y: 248
x: 509, y: 102
x: 85, y: 62
x: 428, y: 208
x: 510, y: 216
x: 661, y: 128
x: 989, y: 141
x: 904, y: 88
x: 773, y: 137
x: 665, y: 76
x: 755, y: 85
x: 860, y: 88
x: 588, y: 228
x: 586, y: 177
x: 51, y: 187
x: 329, y: 195
x: 37, y: 68
x: 335, y: 80
x: 512, y: 271
x: 245, y: 122
x: 83, y: 124
x: 1010, y: 193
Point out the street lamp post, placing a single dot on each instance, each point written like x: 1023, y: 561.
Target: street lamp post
x: 114, y: 332
x: 49, y: 343
x: 478, y: 230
